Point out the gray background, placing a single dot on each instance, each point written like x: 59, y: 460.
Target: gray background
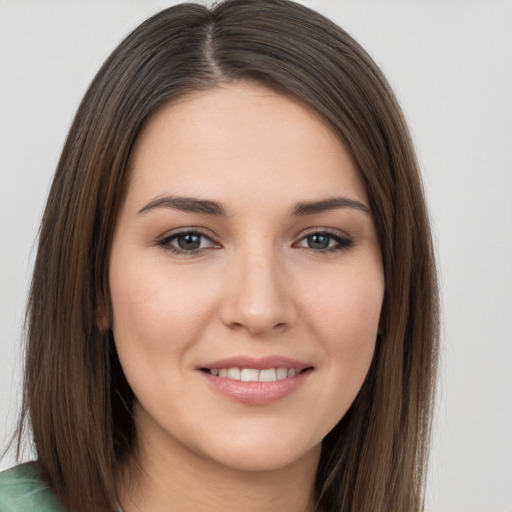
x: 450, y: 63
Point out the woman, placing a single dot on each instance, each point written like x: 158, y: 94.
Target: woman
x: 234, y: 302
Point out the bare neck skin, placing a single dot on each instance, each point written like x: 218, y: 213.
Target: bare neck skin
x: 165, y: 476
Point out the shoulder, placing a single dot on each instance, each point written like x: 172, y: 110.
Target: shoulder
x: 21, y: 490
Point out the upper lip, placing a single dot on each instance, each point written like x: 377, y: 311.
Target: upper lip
x: 257, y: 363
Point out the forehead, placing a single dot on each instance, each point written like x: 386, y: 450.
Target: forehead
x: 244, y: 138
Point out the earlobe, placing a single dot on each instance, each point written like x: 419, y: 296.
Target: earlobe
x: 102, y: 320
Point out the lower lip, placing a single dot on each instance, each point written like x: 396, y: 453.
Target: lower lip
x: 257, y: 393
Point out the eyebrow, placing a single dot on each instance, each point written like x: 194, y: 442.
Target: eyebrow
x: 310, y: 208
x: 186, y: 204
x: 207, y: 207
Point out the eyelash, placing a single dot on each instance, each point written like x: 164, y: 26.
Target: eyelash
x: 343, y: 243
x: 165, y: 242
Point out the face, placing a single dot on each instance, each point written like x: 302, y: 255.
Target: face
x: 246, y: 279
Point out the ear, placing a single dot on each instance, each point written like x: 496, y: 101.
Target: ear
x: 102, y: 320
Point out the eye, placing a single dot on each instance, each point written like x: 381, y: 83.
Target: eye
x: 324, y: 242
x: 187, y: 242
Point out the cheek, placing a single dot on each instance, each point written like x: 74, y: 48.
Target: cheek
x: 155, y: 312
x: 346, y: 321
x: 343, y: 317
x: 157, y: 317
x: 350, y: 308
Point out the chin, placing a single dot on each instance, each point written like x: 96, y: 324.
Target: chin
x: 249, y: 455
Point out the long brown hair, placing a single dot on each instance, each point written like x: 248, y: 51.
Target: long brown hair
x: 76, y: 399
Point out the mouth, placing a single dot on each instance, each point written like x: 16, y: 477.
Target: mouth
x: 254, y: 374
x: 256, y: 381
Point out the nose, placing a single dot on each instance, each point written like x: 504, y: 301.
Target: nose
x: 259, y: 297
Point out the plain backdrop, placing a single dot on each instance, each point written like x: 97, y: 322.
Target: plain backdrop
x: 450, y: 63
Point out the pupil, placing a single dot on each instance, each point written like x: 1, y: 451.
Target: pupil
x: 190, y: 241
x: 318, y: 241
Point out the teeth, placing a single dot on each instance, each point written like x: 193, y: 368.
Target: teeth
x: 282, y: 373
x: 233, y: 373
x: 249, y: 375
x: 253, y: 375
x: 268, y: 375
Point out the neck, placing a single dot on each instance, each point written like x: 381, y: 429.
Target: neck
x: 165, y: 477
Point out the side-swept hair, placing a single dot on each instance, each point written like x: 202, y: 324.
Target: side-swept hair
x: 76, y: 399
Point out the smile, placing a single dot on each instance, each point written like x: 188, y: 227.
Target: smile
x: 256, y: 381
x: 253, y: 374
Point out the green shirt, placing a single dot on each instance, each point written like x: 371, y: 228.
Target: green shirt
x: 21, y: 490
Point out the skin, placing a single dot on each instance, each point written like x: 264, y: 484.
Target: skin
x: 255, y: 287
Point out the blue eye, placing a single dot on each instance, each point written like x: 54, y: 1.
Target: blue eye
x: 324, y: 242
x: 186, y: 242
x: 318, y: 241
